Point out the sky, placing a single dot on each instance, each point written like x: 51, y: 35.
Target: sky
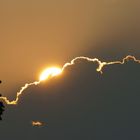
x: 81, y: 103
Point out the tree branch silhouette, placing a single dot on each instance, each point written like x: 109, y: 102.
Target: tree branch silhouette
x: 1, y: 106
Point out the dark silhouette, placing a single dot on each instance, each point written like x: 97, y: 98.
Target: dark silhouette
x: 1, y: 106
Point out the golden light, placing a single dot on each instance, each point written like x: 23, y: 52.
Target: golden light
x: 50, y: 72
x: 37, y: 123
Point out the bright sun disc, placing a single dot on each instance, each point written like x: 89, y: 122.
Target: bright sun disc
x: 50, y: 72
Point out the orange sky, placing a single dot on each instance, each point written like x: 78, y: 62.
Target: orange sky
x: 40, y: 33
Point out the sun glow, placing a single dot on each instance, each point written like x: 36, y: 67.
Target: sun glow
x: 50, y: 72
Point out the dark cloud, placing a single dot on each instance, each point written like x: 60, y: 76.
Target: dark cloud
x: 80, y: 104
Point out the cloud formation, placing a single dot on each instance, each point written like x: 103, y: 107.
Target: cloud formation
x: 99, y: 69
x: 82, y: 103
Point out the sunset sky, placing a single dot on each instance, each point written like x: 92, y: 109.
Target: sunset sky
x: 81, y: 103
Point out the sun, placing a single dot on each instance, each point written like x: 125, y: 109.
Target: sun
x: 50, y: 72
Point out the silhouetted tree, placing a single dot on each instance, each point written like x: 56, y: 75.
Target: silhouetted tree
x: 1, y: 106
